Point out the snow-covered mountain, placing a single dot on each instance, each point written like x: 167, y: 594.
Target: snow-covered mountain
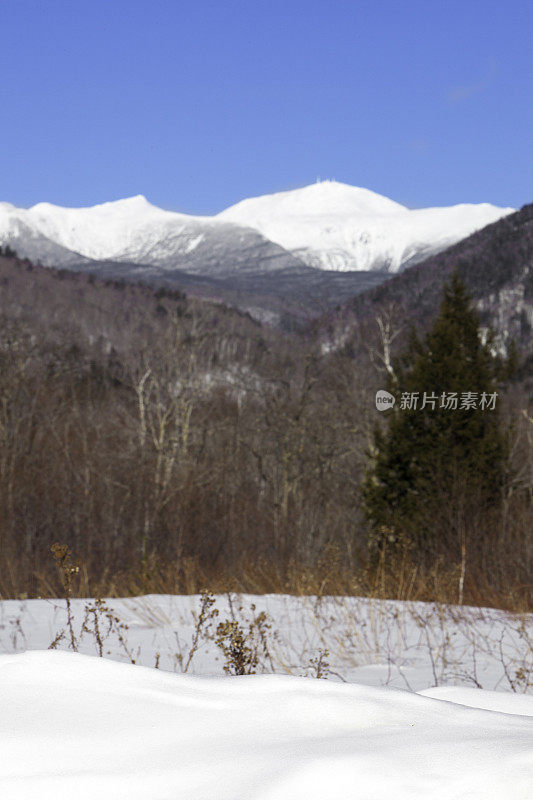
x: 334, y: 226
x: 328, y: 225
x: 18, y: 230
x: 134, y: 231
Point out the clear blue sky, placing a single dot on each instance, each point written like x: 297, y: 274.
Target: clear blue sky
x: 199, y: 104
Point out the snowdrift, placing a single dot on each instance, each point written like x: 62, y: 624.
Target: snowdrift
x: 76, y: 725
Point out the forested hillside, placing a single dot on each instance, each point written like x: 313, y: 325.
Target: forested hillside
x: 174, y: 444
x: 496, y: 265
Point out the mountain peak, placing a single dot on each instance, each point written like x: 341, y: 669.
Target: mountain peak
x: 323, y: 198
x: 333, y: 225
x: 135, y: 201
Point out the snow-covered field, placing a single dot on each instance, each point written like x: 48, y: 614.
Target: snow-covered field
x: 410, y: 646
x: 420, y: 701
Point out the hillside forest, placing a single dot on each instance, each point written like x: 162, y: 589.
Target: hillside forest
x: 175, y: 444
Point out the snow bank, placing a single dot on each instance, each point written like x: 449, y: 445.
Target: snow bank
x: 89, y: 727
x: 390, y: 643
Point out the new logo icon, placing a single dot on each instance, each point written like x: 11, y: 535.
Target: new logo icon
x: 384, y: 400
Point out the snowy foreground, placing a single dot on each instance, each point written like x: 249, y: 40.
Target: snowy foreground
x: 74, y: 724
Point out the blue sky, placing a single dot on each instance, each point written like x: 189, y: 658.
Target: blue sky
x: 200, y: 104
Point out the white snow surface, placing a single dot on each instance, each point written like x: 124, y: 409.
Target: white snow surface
x: 74, y: 725
x: 412, y: 646
x: 401, y: 714
x: 332, y: 225
x: 118, y: 230
x: 328, y: 225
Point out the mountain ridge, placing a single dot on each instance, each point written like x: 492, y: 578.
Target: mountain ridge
x: 328, y: 225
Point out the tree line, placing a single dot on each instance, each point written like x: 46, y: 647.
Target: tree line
x: 150, y: 433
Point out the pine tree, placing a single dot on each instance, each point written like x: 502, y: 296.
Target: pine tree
x: 443, y: 454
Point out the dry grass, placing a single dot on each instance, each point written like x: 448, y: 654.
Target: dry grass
x: 394, y: 576
x: 352, y: 630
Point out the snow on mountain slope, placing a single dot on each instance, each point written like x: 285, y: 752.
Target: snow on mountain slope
x: 124, y: 230
x: 135, y: 231
x: 324, y: 197
x: 331, y: 225
x: 105, y: 231
x: 16, y: 229
x: 328, y: 225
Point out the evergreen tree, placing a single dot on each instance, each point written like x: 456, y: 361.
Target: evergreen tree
x: 8, y: 252
x: 444, y: 452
